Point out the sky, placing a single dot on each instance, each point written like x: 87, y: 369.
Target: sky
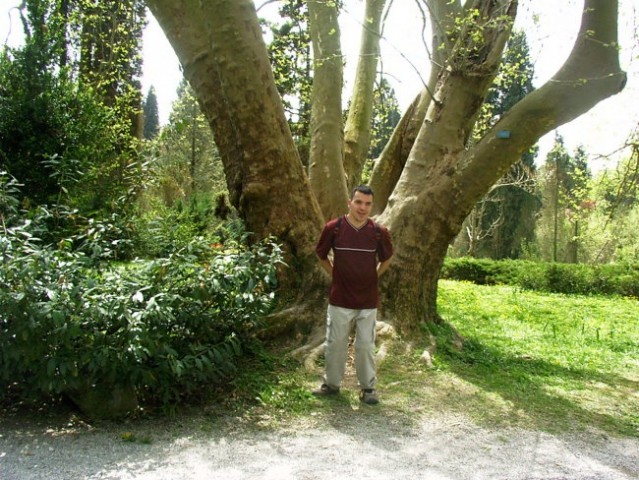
x: 550, y: 25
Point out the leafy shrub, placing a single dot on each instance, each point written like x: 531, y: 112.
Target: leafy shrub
x: 467, y: 268
x: 164, y: 230
x: 164, y: 327
x: 607, y: 279
x: 484, y: 271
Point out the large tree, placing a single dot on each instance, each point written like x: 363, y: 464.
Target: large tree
x: 429, y: 177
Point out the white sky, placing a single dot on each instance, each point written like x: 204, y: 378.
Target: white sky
x: 550, y: 25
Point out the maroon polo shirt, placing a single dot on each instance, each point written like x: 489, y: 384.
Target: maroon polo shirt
x: 356, y: 253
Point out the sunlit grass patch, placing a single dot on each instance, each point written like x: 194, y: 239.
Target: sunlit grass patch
x: 565, y: 360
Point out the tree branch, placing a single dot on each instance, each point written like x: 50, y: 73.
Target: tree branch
x: 590, y: 74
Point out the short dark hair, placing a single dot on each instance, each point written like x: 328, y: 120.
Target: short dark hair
x: 365, y: 189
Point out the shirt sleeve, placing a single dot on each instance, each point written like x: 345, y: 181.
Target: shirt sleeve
x: 325, y: 242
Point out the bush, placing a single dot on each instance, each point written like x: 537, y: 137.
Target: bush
x: 164, y: 230
x: 163, y: 328
x: 484, y: 271
x: 584, y: 279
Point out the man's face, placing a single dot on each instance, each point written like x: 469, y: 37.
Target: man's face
x: 360, y: 206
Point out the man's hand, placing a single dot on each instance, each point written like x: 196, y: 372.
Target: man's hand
x: 327, y: 266
x: 382, y: 267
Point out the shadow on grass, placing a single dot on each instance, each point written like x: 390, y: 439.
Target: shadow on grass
x: 549, y: 396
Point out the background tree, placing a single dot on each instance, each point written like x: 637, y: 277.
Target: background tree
x: 504, y: 219
x: 290, y: 54
x: 185, y: 159
x: 110, y: 54
x: 52, y: 131
x: 443, y: 176
x: 151, y: 115
x: 564, y: 182
x: 386, y: 116
x: 612, y: 228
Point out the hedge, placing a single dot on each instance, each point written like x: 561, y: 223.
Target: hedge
x: 583, y: 279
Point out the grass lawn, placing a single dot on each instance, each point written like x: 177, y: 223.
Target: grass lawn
x: 544, y: 361
x: 556, y: 361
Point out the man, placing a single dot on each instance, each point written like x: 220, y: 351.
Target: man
x: 362, y: 251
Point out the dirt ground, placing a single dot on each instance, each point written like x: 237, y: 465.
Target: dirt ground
x: 353, y: 441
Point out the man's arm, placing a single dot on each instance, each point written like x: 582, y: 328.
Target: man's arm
x: 382, y: 267
x: 327, y: 265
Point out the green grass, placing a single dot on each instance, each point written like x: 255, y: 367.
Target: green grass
x: 547, y: 360
x: 532, y: 360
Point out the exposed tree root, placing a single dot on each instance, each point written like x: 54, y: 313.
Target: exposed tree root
x: 310, y: 353
x: 295, y: 322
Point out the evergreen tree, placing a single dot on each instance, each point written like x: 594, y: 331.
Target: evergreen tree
x: 52, y: 133
x: 290, y: 55
x: 386, y: 115
x: 564, y: 188
x: 110, y: 54
x: 151, y: 115
x: 613, y: 227
x: 504, y: 220
x: 186, y: 162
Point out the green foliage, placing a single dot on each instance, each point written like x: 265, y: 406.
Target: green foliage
x: 469, y: 34
x: 44, y: 120
x: 110, y: 43
x: 565, y: 185
x: 49, y: 118
x: 290, y: 55
x: 557, y: 360
x: 183, y: 160
x: 483, y: 271
x: 386, y: 116
x: 606, y: 279
x: 505, y: 217
x: 165, y: 327
x: 151, y: 116
x: 164, y: 230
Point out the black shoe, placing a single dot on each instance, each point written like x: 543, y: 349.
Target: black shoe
x: 368, y: 396
x: 325, y: 391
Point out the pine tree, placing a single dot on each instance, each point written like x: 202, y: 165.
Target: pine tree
x: 187, y: 163
x: 151, y: 115
x: 564, y: 189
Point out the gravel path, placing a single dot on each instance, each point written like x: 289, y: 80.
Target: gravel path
x: 371, y: 445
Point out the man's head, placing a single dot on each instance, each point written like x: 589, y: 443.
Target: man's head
x: 365, y: 189
x: 360, y: 204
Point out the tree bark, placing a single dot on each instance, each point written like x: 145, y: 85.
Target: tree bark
x: 442, y: 180
x: 220, y: 46
x: 357, y: 133
x: 326, y: 171
x: 388, y: 168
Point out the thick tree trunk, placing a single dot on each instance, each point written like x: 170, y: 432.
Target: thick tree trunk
x: 388, y: 168
x: 442, y: 180
x: 423, y: 212
x: 219, y: 44
x: 357, y: 132
x: 326, y: 170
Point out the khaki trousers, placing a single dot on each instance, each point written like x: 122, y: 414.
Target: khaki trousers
x: 339, y: 323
